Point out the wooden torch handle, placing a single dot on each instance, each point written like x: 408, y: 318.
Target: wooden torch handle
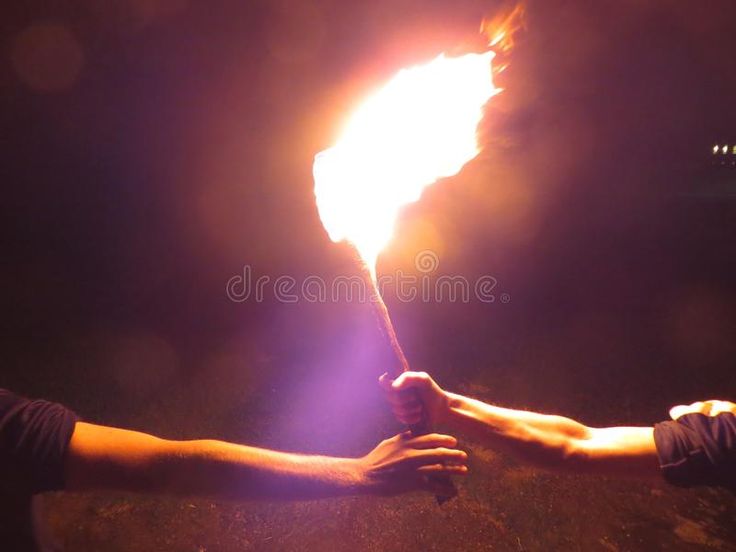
x: 397, y: 367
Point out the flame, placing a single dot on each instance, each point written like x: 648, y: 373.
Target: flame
x: 419, y: 127
x: 502, y: 29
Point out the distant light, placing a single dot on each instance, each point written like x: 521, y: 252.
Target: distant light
x: 724, y: 150
x: 715, y: 149
x: 734, y: 150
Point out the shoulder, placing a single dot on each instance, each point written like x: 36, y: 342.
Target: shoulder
x: 34, y: 436
x: 10, y: 405
x: 698, y: 447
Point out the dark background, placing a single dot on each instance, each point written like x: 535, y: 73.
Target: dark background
x: 152, y: 149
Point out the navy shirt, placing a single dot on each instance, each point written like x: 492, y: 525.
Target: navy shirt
x: 698, y: 450
x: 34, y: 436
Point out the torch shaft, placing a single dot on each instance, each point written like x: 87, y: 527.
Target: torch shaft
x: 384, y: 322
x: 400, y: 365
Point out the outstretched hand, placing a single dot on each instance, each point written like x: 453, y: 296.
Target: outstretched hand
x: 414, y: 395
x: 403, y: 463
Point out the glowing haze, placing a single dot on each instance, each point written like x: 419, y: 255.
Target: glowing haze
x: 419, y: 127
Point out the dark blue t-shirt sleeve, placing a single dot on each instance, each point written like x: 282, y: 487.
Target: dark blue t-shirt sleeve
x: 698, y: 450
x: 34, y: 437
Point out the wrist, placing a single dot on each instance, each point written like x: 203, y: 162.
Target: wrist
x: 450, y: 402
x: 358, y: 479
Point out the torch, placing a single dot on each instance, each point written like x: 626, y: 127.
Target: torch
x: 397, y: 364
x: 419, y: 127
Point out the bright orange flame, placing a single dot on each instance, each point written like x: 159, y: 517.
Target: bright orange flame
x: 421, y: 126
x: 502, y: 29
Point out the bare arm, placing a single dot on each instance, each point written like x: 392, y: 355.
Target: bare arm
x: 548, y: 441
x: 556, y: 442
x: 102, y: 457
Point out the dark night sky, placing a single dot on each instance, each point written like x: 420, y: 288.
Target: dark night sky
x: 151, y: 149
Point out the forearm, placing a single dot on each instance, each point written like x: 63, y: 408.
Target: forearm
x: 556, y: 442
x: 215, y: 468
x: 109, y: 458
x: 537, y: 438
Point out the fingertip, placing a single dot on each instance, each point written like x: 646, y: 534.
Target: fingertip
x: 457, y: 470
x: 446, y: 440
x: 457, y: 455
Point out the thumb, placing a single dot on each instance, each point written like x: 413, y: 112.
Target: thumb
x: 385, y: 381
x: 408, y: 380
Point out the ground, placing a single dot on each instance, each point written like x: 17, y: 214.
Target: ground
x: 501, y: 506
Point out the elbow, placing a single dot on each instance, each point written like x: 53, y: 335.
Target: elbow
x: 576, y: 456
x: 572, y: 450
x: 572, y: 429
x: 567, y: 455
x: 572, y: 453
x: 162, y: 470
